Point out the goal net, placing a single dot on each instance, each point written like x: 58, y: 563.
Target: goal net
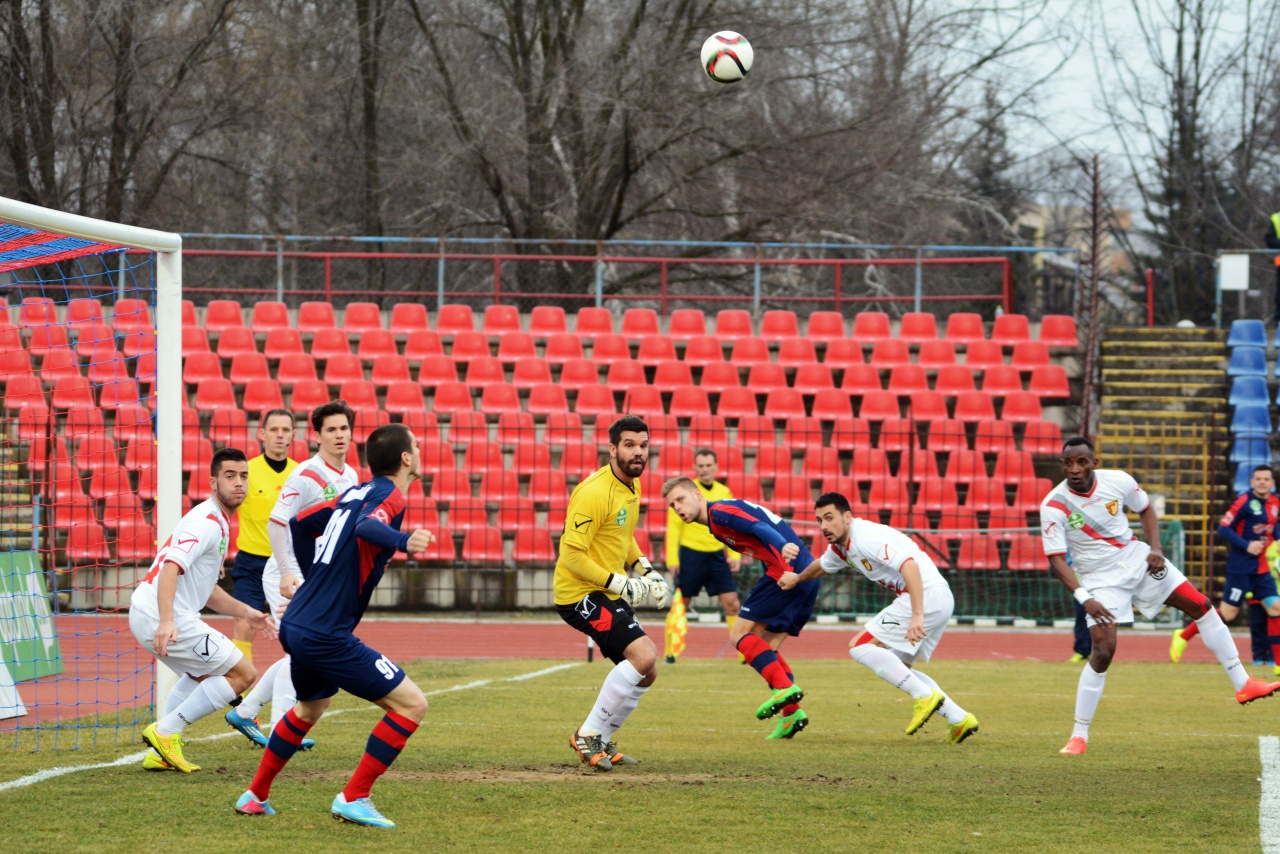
x: 90, y: 466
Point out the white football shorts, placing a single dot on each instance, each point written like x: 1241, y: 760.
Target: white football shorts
x: 1147, y: 591
x: 890, y: 625
x: 199, y: 649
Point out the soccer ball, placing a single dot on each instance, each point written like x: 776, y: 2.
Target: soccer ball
x: 726, y: 57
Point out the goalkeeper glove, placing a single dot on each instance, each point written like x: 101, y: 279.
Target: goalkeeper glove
x: 632, y: 590
x: 657, y: 584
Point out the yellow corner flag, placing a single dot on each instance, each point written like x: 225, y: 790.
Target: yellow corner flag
x: 677, y: 628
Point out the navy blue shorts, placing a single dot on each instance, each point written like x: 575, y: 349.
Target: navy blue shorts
x: 321, y: 664
x: 704, y: 569
x: 246, y: 580
x: 1261, y: 585
x: 781, y: 610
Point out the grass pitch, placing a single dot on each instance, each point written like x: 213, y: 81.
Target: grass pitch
x: 1172, y: 766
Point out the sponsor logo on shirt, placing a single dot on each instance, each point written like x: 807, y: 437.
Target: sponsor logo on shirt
x: 1075, y: 521
x: 222, y: 547
x: 330, y: 492
x: 621, y: 518
x: 1113, y: 507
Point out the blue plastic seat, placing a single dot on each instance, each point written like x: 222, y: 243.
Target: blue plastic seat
x: 1247, y: 362
x: 1247, y: 333
x: 1251, y: 421
x: 1249, y: 391
x: 1254, y: 450
x: 1244, y: 473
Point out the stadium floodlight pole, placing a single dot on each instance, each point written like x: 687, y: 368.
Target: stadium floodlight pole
x: 167, y: 247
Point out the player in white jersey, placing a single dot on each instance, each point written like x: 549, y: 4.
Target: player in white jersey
x: 909, y: 629
x: 322, y: 478
x: 1114, y: 570
x: 164, y: 615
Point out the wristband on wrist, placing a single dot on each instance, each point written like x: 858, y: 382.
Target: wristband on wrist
x: 616, y: 584
x: 1082, y: 595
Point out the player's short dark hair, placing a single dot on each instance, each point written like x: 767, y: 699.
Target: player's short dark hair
x: 273, y: 413
x: 1264, y: 467
x: 333, y: 407
x: 385, y: 446
x: 225, y: 455
x: 1077, y: 441
x: 833, y: 499
x: 706, y: 452
x: 677, y: 483
x: 626, y: 424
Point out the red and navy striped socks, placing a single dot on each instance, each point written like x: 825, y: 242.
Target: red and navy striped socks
x: 385, y: 743
x: 285, y: 741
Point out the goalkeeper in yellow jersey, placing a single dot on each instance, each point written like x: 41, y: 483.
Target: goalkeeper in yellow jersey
x: 594, y: 592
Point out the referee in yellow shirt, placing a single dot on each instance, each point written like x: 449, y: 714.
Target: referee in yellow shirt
x: 594, y: 593
x: 697, y: 559
x: 267, y: 473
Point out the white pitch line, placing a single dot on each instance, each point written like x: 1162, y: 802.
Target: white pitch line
x: 1269, y: 804
x: 132, y: 758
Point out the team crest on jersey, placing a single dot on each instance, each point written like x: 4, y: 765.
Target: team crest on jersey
x: 1075, y: 520
x: 330, y: 492
x: 866, y: 564
x: 1113, y: 507
x: 621, y: 518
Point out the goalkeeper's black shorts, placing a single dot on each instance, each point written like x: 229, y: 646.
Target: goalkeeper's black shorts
x: 611, y: 623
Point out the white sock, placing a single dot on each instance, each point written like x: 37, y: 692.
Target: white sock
x: 261, y: 693
x: 890, y: 668
x: 284, y: 697
x: 949, y: 710
x: 211, y: 695
x: 617, y: 699
x: 1088, y: 694
x: 1217, y: 637
x: 181, y: 690
x: 625, y: 708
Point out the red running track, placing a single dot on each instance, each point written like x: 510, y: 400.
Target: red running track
x: 106, y: 671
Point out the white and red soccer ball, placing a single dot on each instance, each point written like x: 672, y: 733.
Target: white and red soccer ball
x: 727, y: 57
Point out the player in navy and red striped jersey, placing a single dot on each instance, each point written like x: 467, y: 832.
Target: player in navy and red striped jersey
x: 358, y: 534
x: 770, y: 614
x: 1250, y: 524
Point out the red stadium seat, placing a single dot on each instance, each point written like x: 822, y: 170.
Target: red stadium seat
x: 999, y: 380
x: 293, y: 368
x: 307, y: 395
x: 563, y: 427
x: 482, y: 545
x: 562, y: 347
x: 577, y: 373
x: 189, y: 313
x: 706, y: 430
x: 625, y: 374
x: 765, y: 376
x: 1050, y: 381
x: 408, y: 319
x: 343, y: 368
x: 670, y: 375
x: 965, y: 328
x: 889, y: 493
x: 783, y: 403
x: 1042, y: 437
x: 423, y: 424
x: 1021, y: 407
x: 754, y: 430
x: 95, y: 341
x: 247, y: 368
x: 890, y: 352
x: 423, y: 345
x: 196, y: 367
x: 261, y: 395
x: 135, y: 541
x: 1026, y: 552
x: 954, y: 380
x: 80, y: 312
x: 609, y: 348
x: 1059, y: 330
x: 850, y: 433
x: 529, y: 456
x: 674, y: 460
x: 484, y: 371
x: 993, y: 437
x: 531, y: 372
x: 25, y: 390
x: 547, y: 320
x: 869, y: 464
x: 779, y: 324
x: 686, y: 323
x: 879, y: 405
x: 596, y: 401
x: 121, y: 391
x: 514, y: 347
x: 451, y: 485
x: 114, y: 480
x: 975, y: 406
x: 1030, y: 493
x: 133, y: 422
x: 580, y: 457
x: 643, y: 400
x: 516, y: 429
x: 796, y: 352
x: 197, y: 453
x: 688, y: 401
x: 733, y: 323
x: 802, y: 432
x: 468, y: 345
x: 499, y: 397
x: 1011, y: 520
x: 966, y: 466
x: 640, y: 323
x: 330, y: 343
x: 190, y: 423
x: 436, y: 456
x: 982, y: 355
x: 374, y: 343
x: 1013, y: 466
x: 499, y: 486
x: 737, y: 402
x: 132, y: 316
x: 147, y: 486
x: 936, y: 355
x: 918, y: 327
x: 947, y: 435
x: 843, y: 352
x: 10, y: 337
x: 978, y: 552
x: 281, y: 343
x: 482, y: 457
x: 71, y: 392
x: 229, y: 427
x: 452, y: 397
x: 937, y: 494
x: 1009, y: 329
x: 359, y: 318
x: 533, y: 545
x: 794, y: 494
x: 899, y: 434
x: 403, y: 396
x: 655, y: 349
x: 452, y: 319
x: 749, y: 351
x: 703, y: 350
x: 592, y: 322
x: 870, y: 326
x: 773, y: 461
x: 907, y: 380
x: 46, y: 338
x: 825, y: 326
x: 813, y: 378
x: 829, y: 404
x: 746, y: 487
x: 985, y: 494
x: 861, y: 379
x: 268, y: 315
x: 87, y: 543
x: 720, y: 376
x: 95, y: 451
x: 501, y: 320
x: 1028, y: 355
x: 223, y: 314
x: 435, y: 370
x: 821, y: 463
